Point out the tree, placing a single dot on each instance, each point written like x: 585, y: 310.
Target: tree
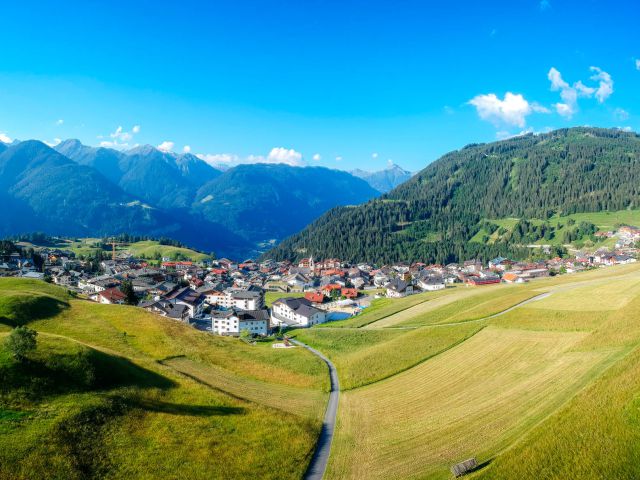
x: 129, y: 294
x: 245, y: 335
x: 20, y: 342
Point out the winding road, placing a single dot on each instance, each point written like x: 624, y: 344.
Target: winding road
x: 320, y: 458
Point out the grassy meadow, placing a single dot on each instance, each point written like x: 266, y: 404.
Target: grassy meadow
x: 116, y: 392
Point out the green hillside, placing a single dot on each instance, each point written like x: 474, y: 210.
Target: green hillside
x: 113, y: 391
x: 441, y: 213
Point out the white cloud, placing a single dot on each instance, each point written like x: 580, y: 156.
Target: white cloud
x: 605, y: 87
x: 186, y: 149
x: 219, y: 158
x: 120, y: 138
x: 390, y: 162
x: 59, y: 122
x: 4, y: 138
x: 564, y: 109
x: 276, y: 155
x: 625, y: 129
x: 620, y: 114
x: 338, y: 158
x: 286, y: 156
x: 166, y: 146
x: 570, y: 93
x: 512, y: 110
x: 317, y: 157
x: 55, y: 142
x: 374, y: 155
x: 638, y: 64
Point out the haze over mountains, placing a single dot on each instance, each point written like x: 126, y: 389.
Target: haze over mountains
x: 74, y: 189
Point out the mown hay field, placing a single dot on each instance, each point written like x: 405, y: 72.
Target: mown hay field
x: 472, y: 400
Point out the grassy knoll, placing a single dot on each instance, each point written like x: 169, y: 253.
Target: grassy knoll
x: 100, y: 398
x: 23, y: 300
x: 270, y: 297
x: 152, y: 249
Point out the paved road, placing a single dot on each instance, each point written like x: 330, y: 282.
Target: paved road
x: 318, y: 464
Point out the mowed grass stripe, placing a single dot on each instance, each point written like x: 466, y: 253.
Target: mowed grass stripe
x: 470, y: 401
x: 299, y: 401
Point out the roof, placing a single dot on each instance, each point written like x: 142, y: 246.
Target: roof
x: 301, y: 306
x: 113, y: 294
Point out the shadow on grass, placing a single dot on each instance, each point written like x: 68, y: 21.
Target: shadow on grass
x: 48, y: 373
x: 22, y: 308
x: 187, y: 410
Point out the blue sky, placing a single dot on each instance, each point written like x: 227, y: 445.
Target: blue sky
x: 342, y: 84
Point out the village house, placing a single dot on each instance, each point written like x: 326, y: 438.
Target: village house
x: 296, y: 312
x: 398, y: 288
x: 188, y: 297
x: 249, y: 299
x: 109, y: 296
x: 430, y: 283
x: 233, y: 322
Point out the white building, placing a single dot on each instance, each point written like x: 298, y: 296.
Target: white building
x: 296, y: 312
x: 431, y: 283
x: 236, y: 298
x: 233, y: 322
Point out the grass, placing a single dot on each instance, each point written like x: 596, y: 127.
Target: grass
x: 384, y: 307
x: 100, y: 398
x: 420, y: 399
x: 547, y: 390
x: 364, y: 356
x: 270, y: 297
x: 152, y: 249
x: 605, y: 221
x: 472, y: 400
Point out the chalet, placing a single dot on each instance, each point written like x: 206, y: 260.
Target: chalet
x: 330, y: 288
x: 315, y: 297
x: 431, y: 283
x: 483, y: 280
x: 397, y: 288
x: 296, y: 312
x: 512, y: 277
x: 349, y: 293
x: 109, y: 296
x: 193, y: 300
x: 167, y: 309
x: 233, y: 322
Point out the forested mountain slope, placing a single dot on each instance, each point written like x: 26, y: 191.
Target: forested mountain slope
x: 433, y: 216
x: 264, y: 202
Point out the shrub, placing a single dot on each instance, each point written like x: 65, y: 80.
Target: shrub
x: 21, y: 341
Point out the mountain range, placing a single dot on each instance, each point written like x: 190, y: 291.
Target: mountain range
x: 78, y: 190
x: 434, y: 216
x: 384, y: 180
